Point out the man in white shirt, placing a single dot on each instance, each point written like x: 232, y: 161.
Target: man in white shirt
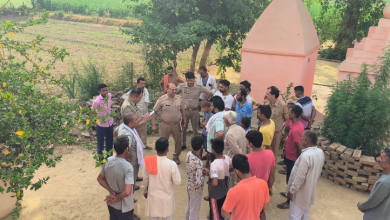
x: 207, y: 80
x: 301, y: 187
x: 247, y: 86
x: 160, y: 176
x: 223, y: 92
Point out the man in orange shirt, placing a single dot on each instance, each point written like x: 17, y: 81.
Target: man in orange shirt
x: 249, y: 196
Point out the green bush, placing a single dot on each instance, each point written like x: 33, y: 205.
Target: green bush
x: 333, y: 54
x: 125, y: 78
x: 88, y: 82
x: 69, y: 86
x: 358, y: 113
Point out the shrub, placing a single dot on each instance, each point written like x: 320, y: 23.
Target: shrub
x: 358, y: 113
x: 125, y: 78
x: 69, y: 86
x: 333, y: 53
x: 31, y: 122
x: 89, y: 81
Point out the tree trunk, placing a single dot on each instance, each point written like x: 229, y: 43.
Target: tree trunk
x: 349, y: 23
x: 206, y: 53
x: 195, y: 50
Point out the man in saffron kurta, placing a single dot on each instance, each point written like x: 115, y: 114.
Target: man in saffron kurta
x: 160, y: 175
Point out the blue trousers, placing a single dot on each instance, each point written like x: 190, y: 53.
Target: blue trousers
x: 107, y: 134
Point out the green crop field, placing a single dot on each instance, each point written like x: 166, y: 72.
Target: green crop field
x: 102, y: 8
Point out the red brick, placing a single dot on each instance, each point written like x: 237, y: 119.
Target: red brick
x: 337, y: 183
x: 368, y: 160
x: 326, y: 153
x: 372, y: 182
x: 333, y: 147
x: 353, y: 188
x: 370, y: 188
x: 329, y: 172
x: 351, y: 172
x: 370, y: 169
x: 357, y: 164
x: 347, y: 159
x: 347, y: 185
x: 348, y: 180
x: 330, y: 177
x: 341, y: 173
x: 361, y: 187
x: 356, y: 154
x: 340, y: 162
x: 378, y: 167
x: 361, y: 179
x: 352, y: 166
x: 373, y: 178
x: 340, y: 180
x: 340, y: 166
x: 341, y: 149
x: 348, y: 152
x: 363, y: 172
x: 334, y: 153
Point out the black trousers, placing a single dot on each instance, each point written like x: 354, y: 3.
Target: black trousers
x: 289, y: 164
x: 215, y: 208
x: 116, y: 214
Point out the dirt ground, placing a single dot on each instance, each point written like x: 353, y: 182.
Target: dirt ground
x: 73, y: 193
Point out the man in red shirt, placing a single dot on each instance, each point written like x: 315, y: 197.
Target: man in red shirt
x: 293, y: 146
x: 249, y: 196
x: 262, y: 162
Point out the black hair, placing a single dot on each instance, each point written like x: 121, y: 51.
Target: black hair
x: 217, y: 145
x: 196, y: 142
x: 206, y: 103
x: 312, y: 136
x: 224, y: 82
x: 128, y: 117
x: 135, y: 92
x: 240, y: 163
x: 299, y: 89
x: 120, y: 144
x: 274, y: 91
x: 169, y: 68
x: 101, y: 86
x: 290, y: 104
x: 190, y: 75
x: 246, y: 84
x: 246, y: 122
x: 255, y: 137
x: 218, y: 103
x: 203, y: 68
x: 296, y: 110
x: 140, y: 79
x: 265, y: 110
x: 287, y: 129
x: 244, y: 93
x: 162, y: 145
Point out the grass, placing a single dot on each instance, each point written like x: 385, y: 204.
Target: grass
x: 104, y: 45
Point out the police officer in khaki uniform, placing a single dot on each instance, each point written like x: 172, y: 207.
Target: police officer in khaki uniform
x: 172, y: 114
x: 130, y: 105
x: 279, y: 116
x: 190, y: 93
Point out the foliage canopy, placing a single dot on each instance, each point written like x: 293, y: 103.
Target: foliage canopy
x: 357, y: 111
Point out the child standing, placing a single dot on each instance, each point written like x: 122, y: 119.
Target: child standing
x: 207, y: 114
x: 195, y: 174
x: 219, y: 179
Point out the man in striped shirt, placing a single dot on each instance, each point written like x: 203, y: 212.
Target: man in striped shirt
x: 305, y: 102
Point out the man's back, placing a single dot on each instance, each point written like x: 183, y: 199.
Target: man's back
x: 304, y: 176
x: 235, y: 138
x: 246, y: 200
x: 161, y: 198
x: 261, y: 163
x: 118, y: 173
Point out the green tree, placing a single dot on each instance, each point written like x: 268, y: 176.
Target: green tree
x: 348, y: 18
x: 357, y: 111
x: 173, y: 26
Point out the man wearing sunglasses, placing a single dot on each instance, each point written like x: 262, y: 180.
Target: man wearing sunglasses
x: 173, y: 118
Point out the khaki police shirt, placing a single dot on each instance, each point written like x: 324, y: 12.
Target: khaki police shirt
x: 129, y: 106
x: 279, y: 113
x: 191, y: 95
x: 170, y: 109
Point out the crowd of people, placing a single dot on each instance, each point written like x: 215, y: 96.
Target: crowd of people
x: 240, y: 161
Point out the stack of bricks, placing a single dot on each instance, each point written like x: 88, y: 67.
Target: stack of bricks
x: 348, y: 167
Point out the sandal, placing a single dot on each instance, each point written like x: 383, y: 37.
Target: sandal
x: 136, y: 217
x: 283, y: 205
x: 283, y: 172
x: 206, y: 198
x: 136, y: 187
x: 139, y: 179
x: 283, y: 194
x: 135, y: 200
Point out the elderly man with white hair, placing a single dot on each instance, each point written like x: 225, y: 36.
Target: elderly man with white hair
x: 235, y: 141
